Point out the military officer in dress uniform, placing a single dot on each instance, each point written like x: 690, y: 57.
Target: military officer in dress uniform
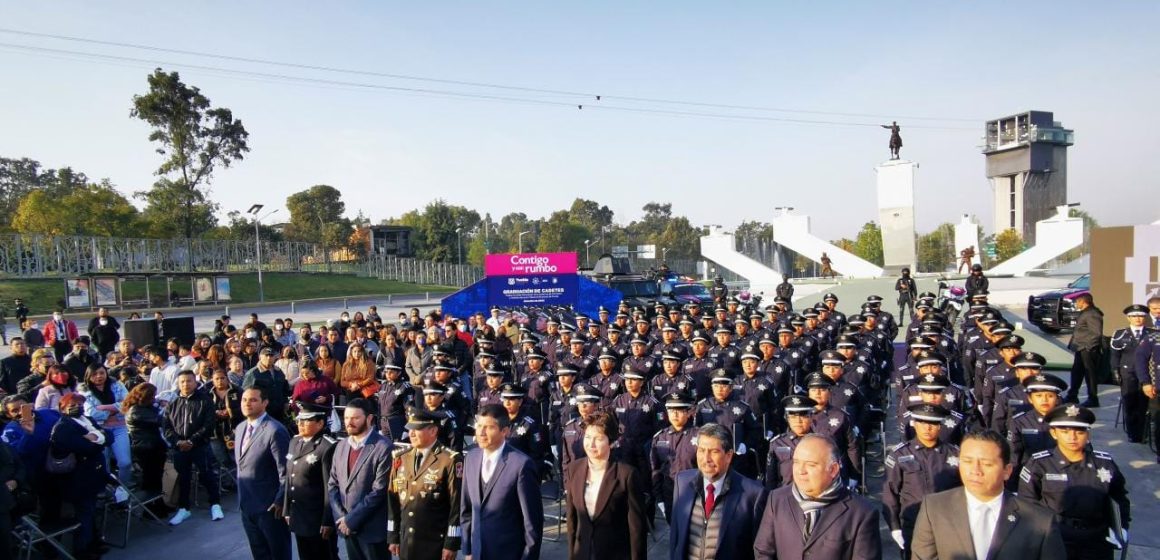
x: 305, y: 505
x: 1124, y: 343
x: 423, y: 496
x: 674, y: 449
x: 915, y: 468
x: 1028, y: 431
x: 799, y: 414
x: 1083, y: 486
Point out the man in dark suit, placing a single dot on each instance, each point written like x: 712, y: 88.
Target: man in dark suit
x: 736, y: 506
x: 1001, y: 526
x: 817, y: 516
x: 358, y: 484
x: 502, y: 513
x: 260, y: 454
x: 305, y: 507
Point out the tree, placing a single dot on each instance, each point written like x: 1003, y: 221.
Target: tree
x: 310, y: 209
x: 19, y: 177
x: 682, y: 240
x: 195, y: 139
x: 590, y: 214
x: 240, y: 226
x: 560, y: 233
x: 1008, y: 243
x: 171, y: 210
x: 868, y: 245
x: 936, y: 249
x: 438, y: 230
x: 96, y: 209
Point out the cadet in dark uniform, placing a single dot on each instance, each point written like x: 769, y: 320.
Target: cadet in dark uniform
x: 571, y: 444
x: 526, y: 434
x: 305, y: 504
x: 640, y: 416
x: 492, y: 387
x: 916, y: 468
x: 674, y: 449
x: 607, y: 380
x: 836, y: 424
x: 932, y: 389
x: 671, y: 379
x: 1013, y: 399
x: 1028, y: 431
x: 423, y: 496
x: 1124, y: 343
x: 799, y: 412
x: 395, y: 395
x: 728, y: 410
x: 1081, y: 485
x: 699, y: 364
x: 450, y: 429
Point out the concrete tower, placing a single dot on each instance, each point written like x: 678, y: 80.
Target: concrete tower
x: 1027, y: 167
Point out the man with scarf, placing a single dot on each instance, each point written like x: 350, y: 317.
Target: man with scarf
x: 817, y: 516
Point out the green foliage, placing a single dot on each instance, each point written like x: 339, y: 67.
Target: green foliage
x: 20, y: 177
x: 868, y: 244
x: 194, y: 139
x: 1008, y: 243
x: 590, y: 214
x: 936, y: 249
x: 560, y: 233
x: 310, y: 211
x: 435, y: 234
x: 240, y: 226
x: 69, y: 209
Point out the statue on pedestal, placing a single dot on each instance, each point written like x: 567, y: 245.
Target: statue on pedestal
x: 895, y: 138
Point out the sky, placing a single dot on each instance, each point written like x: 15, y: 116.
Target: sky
x: 939, y: 68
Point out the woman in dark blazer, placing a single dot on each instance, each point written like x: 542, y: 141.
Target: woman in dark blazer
x: 605, y: 499
x: 74, y: 433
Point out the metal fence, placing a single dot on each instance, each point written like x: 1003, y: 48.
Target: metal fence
x: 386, y: 267
x: 40, y: 256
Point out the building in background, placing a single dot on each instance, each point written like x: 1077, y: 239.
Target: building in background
x: 1027, y: 166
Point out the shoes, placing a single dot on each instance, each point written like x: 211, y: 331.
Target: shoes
x: 121, y: 495
x: 216, y: 513
x: 179, y: 517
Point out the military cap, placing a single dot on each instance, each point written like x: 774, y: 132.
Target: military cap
x: 874, y: 299
x: 537, y: 354
x: 439, y: 351
x: 632, y: 374
x: 818, y: 379
x: 602, y: 309
x: 767, y: 338
x: 641, y: 319
x: 701, y: 335
x: 492, y: 371
x: 923, y: 304
x: 989, y: 318
x: 919, y: 342
x: 798, y: 405
x: 432, y: 387
x: 1071, y: 416
x: 810, y: 313
x: 785, y: 328
x: 832, y: 358
x: 1001, y: 328
x: 781, y: 299
x: 1136, y: 310
x: 927, y: 295
x: 830, y: 296
x: 512, y: 391
x: 755, y: 314
x: 606, y: 353
x: 678, y: 399
x: 672, y: 355
x: 932, y: 320
x: 1044, y: 382
x: 567, y: 328
x: 308, y: 410
x: 694, y: 303
x: 553, y: 321
x: 846, y: 341
x: 980, y: 295
x: 797, y: 320
x: 484, y: 354
x: 1013, y: 341
x: 929, y: 332
x: 686, y: 320
x: 668, y: 326
x: 660, y: 305
x: 723, y: 329
x: 932, y: 382
x: 613, y: 328
x: 419, y: 418
x: 750, y: 353
x: 926, y: 412
x: 930, y: 358
x: 527, y: 337
x: 856, y: 320
x: 638, y: 338
x: 621, y: 315
x: 869, y: 313
x: 580, y: 316
x: 586, y: 393
x: 565, y: 369
x: 733, y: 299
x: 1030, y: 360
x: 720, y: 376
x: 393, y: 366
x: 580, y: 338
x: 739, y: 319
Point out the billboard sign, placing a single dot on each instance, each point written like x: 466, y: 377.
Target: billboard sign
x: 531, y: 279
x: 525, y: 264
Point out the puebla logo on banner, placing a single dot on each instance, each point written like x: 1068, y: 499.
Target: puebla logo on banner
x: 531, y: 279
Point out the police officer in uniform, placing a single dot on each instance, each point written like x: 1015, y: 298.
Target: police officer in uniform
x: 395, y: 395
x: 423, y: 496
x: 727, y: 409
x: 835, y: 423
x: 1013, y: 399
x: 915, y: 468
x: 571, y: 443
x: 305, y: 505
x: 526, y: 434
x: 640, y: 416
x: 1124, y: 343
x: 1081, y: 485
x: 1028, y: 431
x: 674, y: 449
x: 799, y: 414
x: 450, y: 428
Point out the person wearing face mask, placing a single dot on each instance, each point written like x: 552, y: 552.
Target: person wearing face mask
x: 59, y: 333
x: 57, y: 384
x: 78, y: 435
x: 104, y: 331
x: 32, y: 335
x: 343, y: 322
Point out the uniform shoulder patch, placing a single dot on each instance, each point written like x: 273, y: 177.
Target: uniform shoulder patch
x: 330, y: 438
x: 898, y: 446
x: 1103, y: 455
x: 1025, y: 475
x: 1041, y: 454
x: 398, y: 453
x: 1024, y: 413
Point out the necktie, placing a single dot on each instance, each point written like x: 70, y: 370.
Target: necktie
x: 418, y: 461
x: 245, y: 437
x: 60, y: 334
x: 811, y: 518
x: 981, y: 533
x: 710, y: 499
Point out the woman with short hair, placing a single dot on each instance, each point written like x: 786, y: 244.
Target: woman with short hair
x: 148, y: 448
x: 103, y: 398
x: 605, y: 509
x: 78, y: 436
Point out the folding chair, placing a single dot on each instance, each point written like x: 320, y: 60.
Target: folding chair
x: 135, y: 505
x: 28, y: 534
x: 555, y: 499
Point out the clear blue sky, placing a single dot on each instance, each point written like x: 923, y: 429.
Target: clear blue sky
x: 1093, y: 64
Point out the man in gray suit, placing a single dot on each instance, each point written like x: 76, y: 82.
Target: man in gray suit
x: 1001, y: 526
x: 260, y: 454
x: 359, y: 476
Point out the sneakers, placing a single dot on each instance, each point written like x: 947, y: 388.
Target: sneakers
x: 121, y: 495
x: 216, y: 513
x: 179, y: 517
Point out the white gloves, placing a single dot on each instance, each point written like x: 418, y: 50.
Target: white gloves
x: 741, y: 449
x: 1111, y: 538
x: 897, y: 536
x: 768, y: 435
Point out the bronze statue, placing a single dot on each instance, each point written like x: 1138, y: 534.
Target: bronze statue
x: 895, y: 138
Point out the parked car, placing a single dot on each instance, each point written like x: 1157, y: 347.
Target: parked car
x: 639, y: 291
x: 1055, y: 310
x: 692, y: 292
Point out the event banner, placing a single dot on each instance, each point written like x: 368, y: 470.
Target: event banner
x: 532, y: 291
x: 528, y: 264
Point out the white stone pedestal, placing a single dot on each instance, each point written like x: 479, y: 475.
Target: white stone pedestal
x: 896, y: 214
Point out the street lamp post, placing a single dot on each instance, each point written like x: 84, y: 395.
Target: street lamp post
x: 587, y: 244
x: 258, y: 247
x: 322, y: 238
x: 520, y: 240
x: 459, y: 243
x: 664, y: 254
